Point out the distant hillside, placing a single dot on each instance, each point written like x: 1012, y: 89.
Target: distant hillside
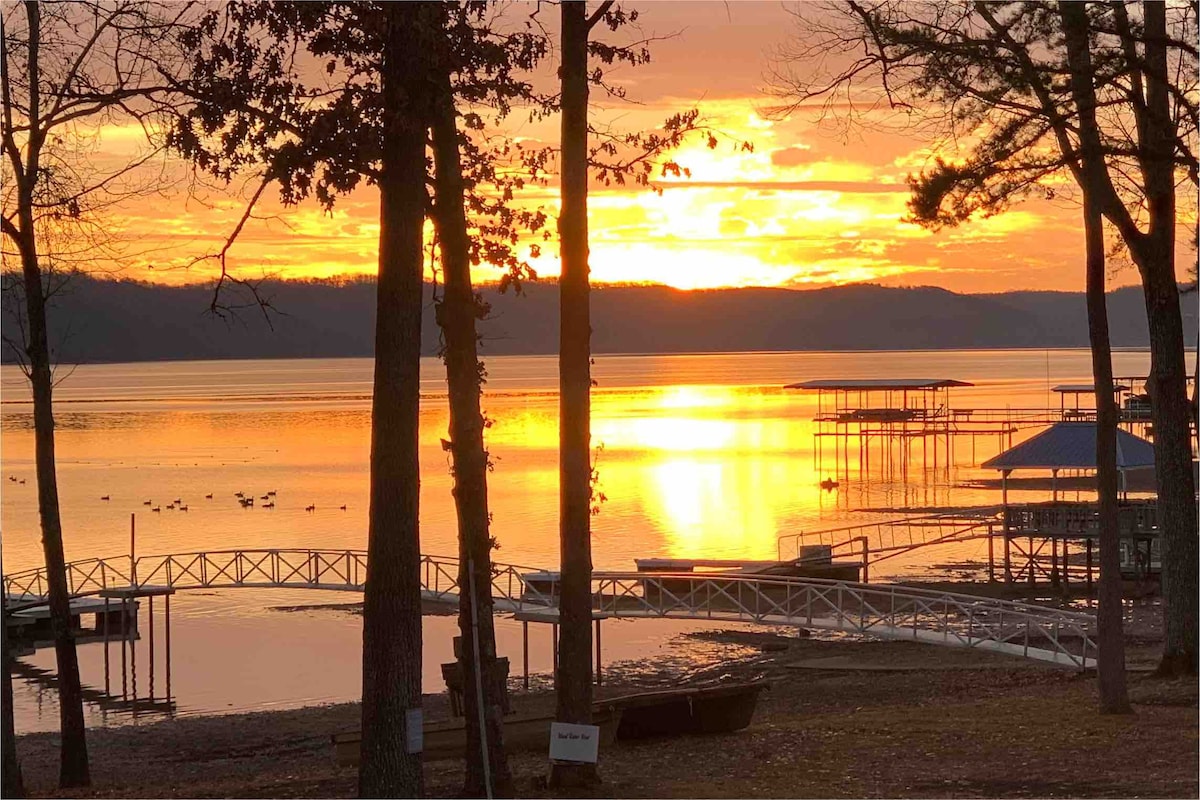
x: 102, y: 320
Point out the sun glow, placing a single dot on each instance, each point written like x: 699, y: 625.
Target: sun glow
x: 807, y: 205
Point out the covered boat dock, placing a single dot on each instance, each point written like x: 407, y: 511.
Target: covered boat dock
x: 888, y: 415
x: 1037, y: 536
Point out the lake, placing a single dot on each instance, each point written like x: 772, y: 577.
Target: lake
x: 698, y: 456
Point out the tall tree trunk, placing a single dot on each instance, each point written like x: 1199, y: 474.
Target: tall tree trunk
x: 1169, y: 405
x: 392, y: 596
x: 1174, y: 473
x: 573, y: 680
x: 73, y: 768
x: 464, y: 374
x: 12, y: 785
x: 1114, y: 699
x: 1154, y: 254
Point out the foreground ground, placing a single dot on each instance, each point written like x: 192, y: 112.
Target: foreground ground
x: 842, y: 719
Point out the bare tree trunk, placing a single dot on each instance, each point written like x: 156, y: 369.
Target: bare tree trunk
x: 1154, y: 254
x: 1174, y: 473
x: 1114, y: 699
x: 12, y: 785
x: 456, y: 315
x: 392, y: 596
x: 1169, y: 404
x: 73, y: 769
x: 573, y: 680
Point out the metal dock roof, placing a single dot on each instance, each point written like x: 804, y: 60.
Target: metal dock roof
x: 1071, y: 445
x: 896, y: 384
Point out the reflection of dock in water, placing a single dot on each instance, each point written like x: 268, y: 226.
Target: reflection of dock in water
x: 116, y: 615
x: 104, y: 700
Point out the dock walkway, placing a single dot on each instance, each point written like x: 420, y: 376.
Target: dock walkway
x: 880, y: 610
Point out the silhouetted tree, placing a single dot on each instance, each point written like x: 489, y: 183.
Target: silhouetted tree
x: 254, y: 109
x: 484, y: 64
x: 998, y: 73
x: 573, y: 679
x: 68, y: 69
x: 612, y: 158
x: 457, y: 313
x: 392, y: 595
x: 1114, y: 698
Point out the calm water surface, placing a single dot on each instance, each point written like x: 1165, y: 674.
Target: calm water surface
x: 698, y: 455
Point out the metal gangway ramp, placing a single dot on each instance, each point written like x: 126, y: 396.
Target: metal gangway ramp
x: 872, y: 542
x: 881, y: 610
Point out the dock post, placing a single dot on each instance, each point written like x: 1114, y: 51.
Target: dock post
x: 132, y: 550
x: 1032, y: 564
x: 150, y: 625
x: 124, y: 638
x: 991, y: 555
x: 554, y: 648
x: 1089, y: 566
x: 1008, y: 576
x: 1066, y: 569
x: 598, y: 676
x: 1053, y: 561
x: 107, y: 622
x: 167, y: 624
x: 525, y: 653
x: 133, y: 671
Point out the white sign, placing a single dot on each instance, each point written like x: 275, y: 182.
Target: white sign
x: 414, y: 731
x: 574, y: 743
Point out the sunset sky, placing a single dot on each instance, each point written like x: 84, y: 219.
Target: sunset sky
x: 811, y: 205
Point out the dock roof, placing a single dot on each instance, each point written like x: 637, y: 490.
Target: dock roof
x: 882, y: 384
x: 1082, y: 388
x: 1071, y: 445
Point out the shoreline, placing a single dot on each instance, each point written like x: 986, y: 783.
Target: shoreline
x: 841, y: 719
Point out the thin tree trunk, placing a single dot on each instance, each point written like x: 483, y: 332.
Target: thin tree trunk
x: 464, y: 374
x: 12, y: 785
x: 73, y: 769
x: 573, y: 680
x: 1114, y: 699
x: 392, y: 596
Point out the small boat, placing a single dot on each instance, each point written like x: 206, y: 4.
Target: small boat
x: 813, y: 562
x: 675, y: 712
x: 878, y: 415
x: 448, y: 739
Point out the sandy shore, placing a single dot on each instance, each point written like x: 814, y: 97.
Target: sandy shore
x: 842, y: 719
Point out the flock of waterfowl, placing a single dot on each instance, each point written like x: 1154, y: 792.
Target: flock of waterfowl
x: 246, y: 500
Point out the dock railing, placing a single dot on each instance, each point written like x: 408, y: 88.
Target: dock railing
x: 334, y: 570
x: 888, y: 538
x: 886, y: 611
